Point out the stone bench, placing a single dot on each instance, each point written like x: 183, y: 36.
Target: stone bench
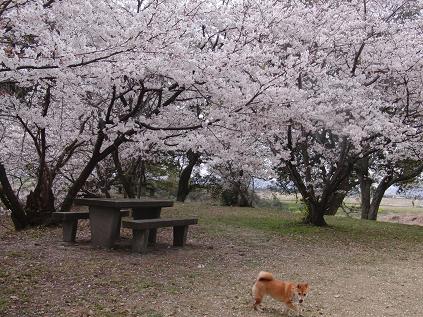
x: 70, y: 219
x: 141, y: 227
x: 69, y: 222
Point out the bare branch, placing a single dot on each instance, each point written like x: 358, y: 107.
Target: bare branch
x: 356, y: 58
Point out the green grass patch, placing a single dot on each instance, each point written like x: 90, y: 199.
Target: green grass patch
x: 387, y: 209
x: 3, y: 304
x: 3, y: 274
x: 150, y: 313
x: 143, y: 285
x: 16, y: 254
x: 218, y: 219
x: 367, y: 230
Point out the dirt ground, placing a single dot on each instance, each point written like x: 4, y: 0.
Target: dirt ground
x: 211, y: 276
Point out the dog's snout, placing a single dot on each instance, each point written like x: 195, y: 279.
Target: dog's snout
x: 301, y: 300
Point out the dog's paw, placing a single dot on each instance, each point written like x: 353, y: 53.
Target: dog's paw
x: 259, y: 309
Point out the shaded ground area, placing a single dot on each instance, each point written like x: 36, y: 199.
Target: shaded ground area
x: 355, y: 268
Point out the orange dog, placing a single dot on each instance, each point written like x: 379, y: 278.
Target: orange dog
x: 283, y: 291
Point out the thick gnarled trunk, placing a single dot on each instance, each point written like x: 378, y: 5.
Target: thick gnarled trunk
x: 331, y: 197
x: 390, y: 179
x: 40, y: 202
x: 335, y: 203
x: 11, y: 202
x: 315, y: 215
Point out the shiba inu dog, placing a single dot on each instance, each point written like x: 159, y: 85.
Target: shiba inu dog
x: 286, y: 292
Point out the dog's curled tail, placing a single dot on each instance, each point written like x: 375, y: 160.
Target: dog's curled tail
x: 265, y: 276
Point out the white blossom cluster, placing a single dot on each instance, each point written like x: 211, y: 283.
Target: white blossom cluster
x: 260, y: 83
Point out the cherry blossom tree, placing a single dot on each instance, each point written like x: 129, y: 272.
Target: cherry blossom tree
x: 80, y: 79
x: 88, y: 76
x: 383, y: 174
x: 312, y: 87
x: 347, y: 96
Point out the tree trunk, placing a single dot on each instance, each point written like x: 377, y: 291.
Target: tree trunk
x: 77, y: 185
x: 374, y: 206
x: 387, y: 182
x: 142, y: 181
x: 11, y: 202
x: 126, y: 182
x: 39, y: 205
x: 40, y: 202
x: 315, y: 215
x: 183, y: 184
x: 377, y: 197
x: 365, y: 186
x: 96, y: 157
x: 335, y: 202
x: 243, y: 199
x: 337, y: 180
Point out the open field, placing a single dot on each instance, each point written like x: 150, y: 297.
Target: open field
x: 398, y: 210
x: 399, y: 204
x: 355, y: 268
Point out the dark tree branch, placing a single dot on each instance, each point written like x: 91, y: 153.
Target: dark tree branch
x: 407, y: 176
x: 173, y: 97
x: 48, y: 3
x: 372, y: 81
x: 110, y: 107
x: 357, y: 58
x: 32, y: 67
x: 33, y: 137
x: 4, y: 5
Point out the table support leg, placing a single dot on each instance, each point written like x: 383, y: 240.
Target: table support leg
x: 139, y: 240
x: 69, y: 230
x: 180, y: 235
x: 105, y: 226
x: 148, y: 213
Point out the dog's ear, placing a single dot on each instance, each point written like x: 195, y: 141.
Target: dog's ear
x: 303, y: 286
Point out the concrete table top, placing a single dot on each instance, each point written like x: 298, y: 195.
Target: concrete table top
x: 123, y: 202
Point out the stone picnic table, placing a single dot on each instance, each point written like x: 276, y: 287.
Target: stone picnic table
x: 105, y: 216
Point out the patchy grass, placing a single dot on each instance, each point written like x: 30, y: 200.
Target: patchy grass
x: 390, y: 209
x: 143, y: 285
x: 16, y: 254
x: 371, y: 231
x: 289, y: 224
x: 3, y: 304
x: 212, y: 275
x: 400, y: 210
x: 151, y: 313
x: 3, y: 274
x: 279, y: 204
